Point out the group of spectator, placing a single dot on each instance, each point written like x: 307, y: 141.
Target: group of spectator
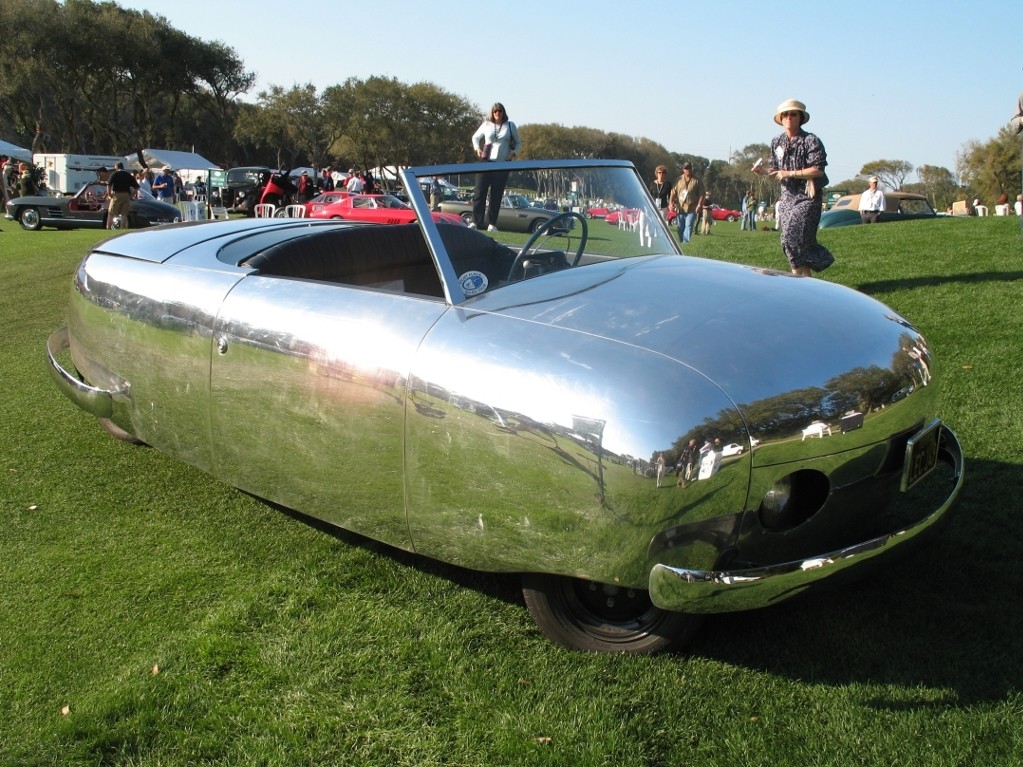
x: 18, y: 179
x: 356, y: 182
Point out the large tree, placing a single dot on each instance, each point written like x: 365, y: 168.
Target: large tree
x: 991, y: 169
x: 81, y: 76
x: 890, y: 173
x: 938, y: 185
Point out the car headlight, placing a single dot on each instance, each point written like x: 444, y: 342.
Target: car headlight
x: 793, y: 499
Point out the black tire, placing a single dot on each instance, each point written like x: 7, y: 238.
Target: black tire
x: 467, y: 217
x: 536, y: 224
x: 595, y: 617
x: 730, y: 218
x: 30, y: 219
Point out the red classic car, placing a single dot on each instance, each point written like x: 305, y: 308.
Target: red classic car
x: 724, y: 214
x: 717, y: 213
x: 325, y: 198
x: 374, y: 208
x: 622, y: 217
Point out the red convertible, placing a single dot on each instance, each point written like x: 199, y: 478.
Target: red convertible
x: 374, y: 208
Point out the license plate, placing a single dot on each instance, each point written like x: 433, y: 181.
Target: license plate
x: 921, y: 455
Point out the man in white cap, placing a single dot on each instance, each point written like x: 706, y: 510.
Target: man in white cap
x: 871, y: 203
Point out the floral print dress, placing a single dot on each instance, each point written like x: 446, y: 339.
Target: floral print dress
x: 800, y: 213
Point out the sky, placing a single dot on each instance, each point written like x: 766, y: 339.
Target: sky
x: 910, y: 80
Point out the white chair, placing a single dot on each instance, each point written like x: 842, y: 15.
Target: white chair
x: 218, y: 212
x: 192, y: 211
x: 265, y: 210
x: 981, y: 210
x: 294, y: 211
x: 1002, y: 210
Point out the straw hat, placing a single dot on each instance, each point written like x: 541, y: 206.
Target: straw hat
x: 791, y: 106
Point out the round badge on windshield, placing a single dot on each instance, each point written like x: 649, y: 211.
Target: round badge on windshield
x: 473, y: 282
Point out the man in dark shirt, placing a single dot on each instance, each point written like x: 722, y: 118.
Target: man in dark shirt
x: 120, y: 185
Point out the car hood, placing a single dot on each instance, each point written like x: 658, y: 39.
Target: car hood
x: 756, y: 333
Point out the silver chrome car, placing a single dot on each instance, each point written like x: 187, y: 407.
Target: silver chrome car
x: 555, y: 406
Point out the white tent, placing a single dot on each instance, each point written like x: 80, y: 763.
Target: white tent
x: 166, y: 158
x: 15, y: 151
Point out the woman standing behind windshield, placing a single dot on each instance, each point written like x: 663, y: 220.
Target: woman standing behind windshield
x: 497, y: 139
x: 798, y: 160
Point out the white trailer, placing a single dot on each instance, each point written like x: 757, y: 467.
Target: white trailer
x: 67, y: 173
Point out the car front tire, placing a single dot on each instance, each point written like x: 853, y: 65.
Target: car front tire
x: 596, y: 617
x: 30, y: 219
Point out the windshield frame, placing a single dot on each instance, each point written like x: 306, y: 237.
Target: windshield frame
x: 411, y: 178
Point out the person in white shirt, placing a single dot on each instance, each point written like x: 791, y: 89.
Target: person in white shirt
x: 871, y: 203
x: 355, y: 183
x: 496, y: 140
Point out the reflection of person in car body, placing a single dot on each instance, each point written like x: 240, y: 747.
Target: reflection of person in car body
x: 686, y: 463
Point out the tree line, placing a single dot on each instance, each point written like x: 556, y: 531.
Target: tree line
x: 91, y: 77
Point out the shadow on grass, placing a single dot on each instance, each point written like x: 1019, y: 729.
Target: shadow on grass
x: 942, y: 626
x: 881, y: 287
x: 505, y: 587
x: 938, y: 629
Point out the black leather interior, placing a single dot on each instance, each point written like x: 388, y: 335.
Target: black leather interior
x: 383, y: 256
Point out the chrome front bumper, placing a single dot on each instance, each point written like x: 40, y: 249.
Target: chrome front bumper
x: 98, y: 402
x: 712, y: 591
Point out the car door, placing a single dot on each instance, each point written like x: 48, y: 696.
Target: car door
x: 90, y: 204
x: 308, y: 395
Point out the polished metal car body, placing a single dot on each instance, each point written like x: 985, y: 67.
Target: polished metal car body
x: 86, y: 209
x: 898, y: 206
x: 524, y: 406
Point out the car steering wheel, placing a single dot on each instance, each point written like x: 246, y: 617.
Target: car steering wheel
x: 544, y: 230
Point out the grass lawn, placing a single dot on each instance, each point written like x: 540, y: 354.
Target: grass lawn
x: 153, y: 617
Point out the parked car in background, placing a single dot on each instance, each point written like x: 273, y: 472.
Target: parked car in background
x: 716, y: 211
x: 86, y: 209
x: 323, y: 199
x: 242, y: 190
x: 516, y: 214
x: 376, y: 209
x: 498, y: 404
x: 621, y: 216
x: 724, y: 214
x: 899, y: 206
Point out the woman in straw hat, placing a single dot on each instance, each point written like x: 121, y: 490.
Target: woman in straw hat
x: 797, y: 161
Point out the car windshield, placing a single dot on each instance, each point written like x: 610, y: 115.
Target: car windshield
x: 533, y: 242
x: 390, y: 201
x: 514, y: 201
x: 238, y: 176
x: 915, y: 207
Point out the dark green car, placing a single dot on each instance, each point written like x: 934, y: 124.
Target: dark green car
x: 898, y: 206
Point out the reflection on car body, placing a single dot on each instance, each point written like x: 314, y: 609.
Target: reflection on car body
x: 498, y: 405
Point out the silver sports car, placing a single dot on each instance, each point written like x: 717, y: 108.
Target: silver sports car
x: 643, y: 436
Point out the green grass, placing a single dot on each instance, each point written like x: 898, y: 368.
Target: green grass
x: 184, y: 623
